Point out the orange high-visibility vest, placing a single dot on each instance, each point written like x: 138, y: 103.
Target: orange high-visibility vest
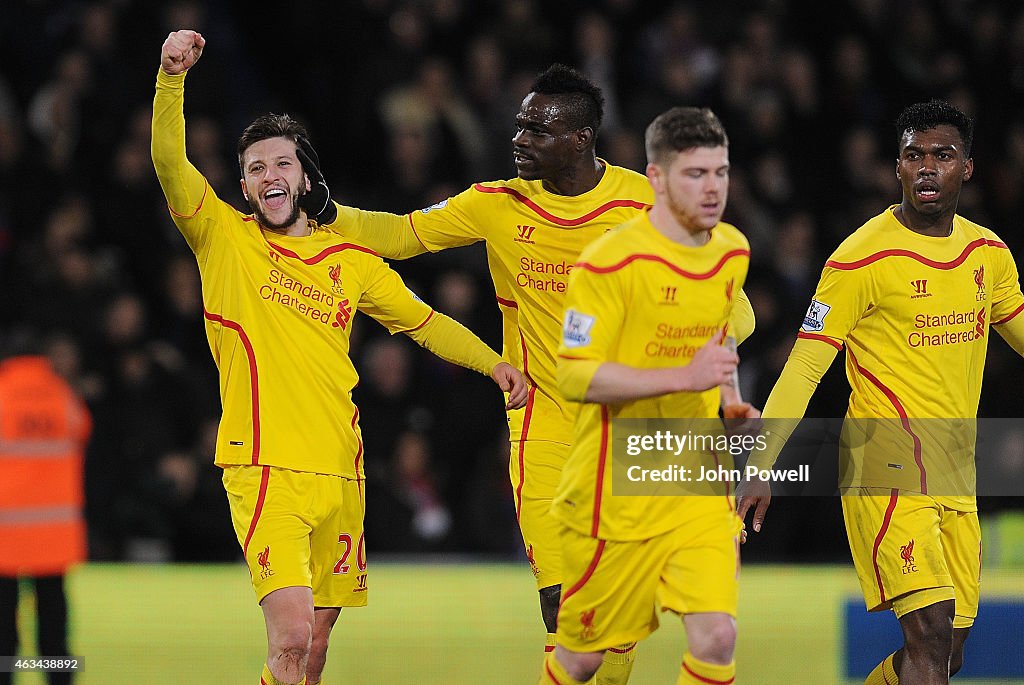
x: 44, y: 428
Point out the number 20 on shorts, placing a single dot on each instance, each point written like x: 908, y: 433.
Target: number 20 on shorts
x: 345, y: 539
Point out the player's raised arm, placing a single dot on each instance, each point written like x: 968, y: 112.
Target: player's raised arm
x: 183, y: 185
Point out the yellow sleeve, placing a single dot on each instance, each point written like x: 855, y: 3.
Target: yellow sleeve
x: 1007, y: 300
x: 742, y: 322
x: 788, y: 400
x: 453, y: 342
x: 184, y: 187
x: 453, y: 222
x: 389, y: 235
x: 1012, y: 331
x: 595, y: 309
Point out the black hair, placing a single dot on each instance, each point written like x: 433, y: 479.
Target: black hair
x: 584, y: 100
x: 272, y: 126
x: 924, y: 116
x: 683, y: 128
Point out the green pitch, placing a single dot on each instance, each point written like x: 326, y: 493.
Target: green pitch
x: 426, y: 625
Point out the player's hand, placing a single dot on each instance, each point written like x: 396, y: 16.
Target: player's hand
x: 317, y: 200
x: 511, y: 380
x: 181, y: 51
x: 711, y: 366
x: 742, y: 419
x: 753, y: 493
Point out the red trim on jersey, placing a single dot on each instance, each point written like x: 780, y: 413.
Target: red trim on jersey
x: 878, y: 540
x: 507, y: 303
x: 602, y: 457
x: 201, y: 201
x: 323, y: 254
x: 547, y: 667
x: 526, y: 363
x: 952, y: 264
x: 586, y: 574
x: 359, y: 450
x: 661, y: 260
x: 616, y: 650
x: 560, y: 221
x: 1012, y: 314
x: 260, y: 499
x: 262, y: 681
x: 412, y: 225
x: 707, y: 680
x: 254, y: 381
x: 522, y: 448
x: 904, y: 420
x: 549, y: 648
x: 569, y: 356
x: 823, y: 338
x: 429, y: 317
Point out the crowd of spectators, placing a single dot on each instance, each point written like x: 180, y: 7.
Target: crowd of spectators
x: 409, y: 101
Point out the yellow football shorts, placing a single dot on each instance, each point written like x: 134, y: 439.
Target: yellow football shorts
x: 300, y: 529
x: 910, y: 551
x: 614, y: 589
x: 535, y: 468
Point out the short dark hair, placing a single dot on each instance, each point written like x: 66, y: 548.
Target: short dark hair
x: 924, y: 116
x: 683, y: 128
x: 584, y: 99
x: 269, y: 126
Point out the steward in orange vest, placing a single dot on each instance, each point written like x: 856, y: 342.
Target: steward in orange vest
x: 44, y: 429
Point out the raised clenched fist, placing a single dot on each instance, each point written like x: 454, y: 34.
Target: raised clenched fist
x: 180, y: 51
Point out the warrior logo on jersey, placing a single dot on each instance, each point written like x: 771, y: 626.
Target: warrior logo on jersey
x: 814, y: 319
x: 335, y: 273
x: 576, y: 329
x: 979, y: 280
x: 524, y: 234
x: 440, y: 205
x: 263, y: 558
x: 907, y: 554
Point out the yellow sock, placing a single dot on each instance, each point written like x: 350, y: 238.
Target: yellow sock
x: 884, y: 673
x: 549, y: 644
x: 554, y: 674
x: 697, y: 672
x: 267, y: 678
x: 616, y: 665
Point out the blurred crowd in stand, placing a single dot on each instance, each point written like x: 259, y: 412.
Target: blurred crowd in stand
x: 408, y: 102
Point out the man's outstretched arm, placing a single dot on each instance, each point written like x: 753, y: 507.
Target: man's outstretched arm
x: 183, y: 185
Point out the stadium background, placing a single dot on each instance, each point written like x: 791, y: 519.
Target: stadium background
x: 408, y: 101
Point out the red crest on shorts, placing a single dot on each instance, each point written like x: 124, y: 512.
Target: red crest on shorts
x: 907, y: 552
x: 532, y: 560
x: 587, y: 623
x: 264, y: 557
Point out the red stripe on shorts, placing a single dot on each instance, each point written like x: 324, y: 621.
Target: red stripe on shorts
x: 878, y: 540
x: 586, y: 574
x: 258, y: 510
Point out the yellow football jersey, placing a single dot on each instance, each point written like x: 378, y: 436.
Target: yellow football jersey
x: 914, y: 313
x: 640, y: 299
x: 278, y: 313
x: 533, y: 241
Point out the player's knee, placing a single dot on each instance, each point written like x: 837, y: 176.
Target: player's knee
x: 716, y: 643
x: 550, y: 598
x: 579, y: 665
x: 293, y: 642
